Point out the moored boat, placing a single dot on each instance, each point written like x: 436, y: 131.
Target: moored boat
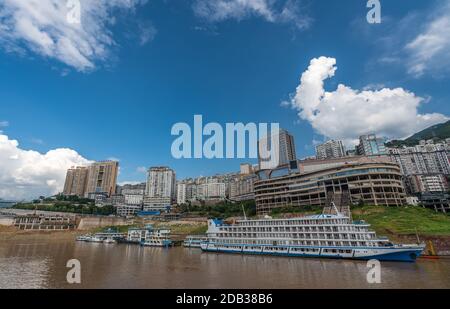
x: 149, y: 236
x: 194, y: 241
x: 324, y: 236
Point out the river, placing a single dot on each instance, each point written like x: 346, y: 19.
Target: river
x: 42, y: 264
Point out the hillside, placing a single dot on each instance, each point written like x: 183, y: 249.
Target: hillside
x: 404, y: 220
x: 436, y: 132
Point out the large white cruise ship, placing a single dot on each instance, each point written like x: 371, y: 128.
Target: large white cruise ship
x: 324, y: 236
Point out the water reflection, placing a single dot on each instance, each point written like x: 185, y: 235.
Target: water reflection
x: 43, y: 265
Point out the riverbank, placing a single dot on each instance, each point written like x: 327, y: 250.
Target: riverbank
x: 179, y: 229
x: 12, y: 233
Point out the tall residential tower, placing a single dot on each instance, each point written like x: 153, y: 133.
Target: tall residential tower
x: 102, y: 177
x: 160, y: 190
x: 281, y: 147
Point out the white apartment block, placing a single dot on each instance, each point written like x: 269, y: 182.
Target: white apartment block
x: 428, y: 183
x: 330, y: 149
x: 181, y: 193
x: 160, y: 182
x: 160, y: 190
x: 134, y: 199
x: 200, y: 189
x: 211, y: 191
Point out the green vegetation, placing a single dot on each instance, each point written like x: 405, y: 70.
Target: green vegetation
x: 221, y: 210
x: 65, y: 206
x: 403, y: 220
x: 73, y: 204
x: 437, y: 132
x: 184, y: 229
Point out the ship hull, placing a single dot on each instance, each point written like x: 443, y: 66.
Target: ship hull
x: 396, y: 254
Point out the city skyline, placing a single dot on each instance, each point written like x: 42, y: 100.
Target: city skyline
x: 120, y: 105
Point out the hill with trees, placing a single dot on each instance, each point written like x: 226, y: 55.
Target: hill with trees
x: 437, y: 133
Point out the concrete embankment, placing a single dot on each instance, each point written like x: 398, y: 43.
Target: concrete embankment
x: 6, y: 221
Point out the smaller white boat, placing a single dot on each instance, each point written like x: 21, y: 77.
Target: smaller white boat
x: 83, y: 238
x: 109, y: 241
x: 157, y: 238
x: 95, y: 239
x: 194, y: 241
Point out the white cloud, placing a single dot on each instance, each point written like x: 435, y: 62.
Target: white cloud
x: 429, y: 51
x: 346, y: 113
x: 141, y: 169
x: 4, y: 123
x: 42, y: 26
x: 130, y: 182
x: 113, y: 159
x: 419, y: 42
x: 275, y: 11
x: 26, y: 174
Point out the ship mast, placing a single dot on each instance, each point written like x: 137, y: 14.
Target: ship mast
x: 243, y: 210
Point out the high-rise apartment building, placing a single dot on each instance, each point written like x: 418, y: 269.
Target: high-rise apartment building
x: 426, y: 158
x: 211, y: 191
x: 102, y: 177
x: 241, y: 188
x: 160, y: 190
x: 181, y: 193
x: 76, y: 181
x: 330, y: 149
x: 276, y: 150
x: 370, y: 145
x: 427, y: 183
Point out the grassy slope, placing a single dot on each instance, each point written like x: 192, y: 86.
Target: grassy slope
x: 384, y: 220
x: 404, y: 220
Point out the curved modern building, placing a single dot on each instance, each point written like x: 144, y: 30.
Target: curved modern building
x: 373, y: 180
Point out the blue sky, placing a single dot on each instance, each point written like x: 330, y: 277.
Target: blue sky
x: 171, y: 60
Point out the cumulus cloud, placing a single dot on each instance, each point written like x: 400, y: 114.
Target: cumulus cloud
x: 346, y: 113
x: 26, y: 174
x: 275, y: 11
x: 42, y: 26
x: 429, y: 51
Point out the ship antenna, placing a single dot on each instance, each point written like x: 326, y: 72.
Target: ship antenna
x: 245, y: 216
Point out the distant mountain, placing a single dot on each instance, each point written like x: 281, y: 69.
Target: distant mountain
x: 437, y: 132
